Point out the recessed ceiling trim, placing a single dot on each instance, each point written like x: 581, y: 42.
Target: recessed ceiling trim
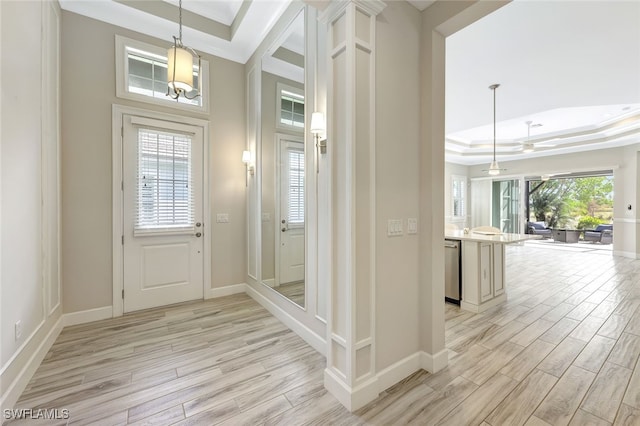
x: 242, y: 13
x: 154, y: 18
x: 169, y: 12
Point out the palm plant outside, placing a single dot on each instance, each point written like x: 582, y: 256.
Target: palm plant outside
x: 573, y: 203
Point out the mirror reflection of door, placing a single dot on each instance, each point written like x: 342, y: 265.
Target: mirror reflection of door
x: 281, y: 163
x: 290, y: 241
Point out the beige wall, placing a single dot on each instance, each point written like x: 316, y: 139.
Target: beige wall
x: 397, y: 181
x: 29, y: 284
x: 88, y: 83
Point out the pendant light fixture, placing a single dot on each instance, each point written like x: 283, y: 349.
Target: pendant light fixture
x: 528, y: 147
x: 180, y: 66
x: 494, y: 168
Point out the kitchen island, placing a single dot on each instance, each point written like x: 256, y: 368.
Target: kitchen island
x: 483, y: 262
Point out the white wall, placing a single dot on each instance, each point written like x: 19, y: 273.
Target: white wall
x: 29, y: 280
x: 626, y: 172
x: 88, y: 80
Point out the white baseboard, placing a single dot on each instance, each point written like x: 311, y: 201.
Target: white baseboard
x: 15, y: 389
x: 355, y: 398
x: 227, y: 290
x: 484, y: 306
x: 351, y: 398
x: 314, y: 340
x: 270, y: 282
x: 90, y: 315
x: 399, y: 371
x: 627, y: 254
x: 434, y: 362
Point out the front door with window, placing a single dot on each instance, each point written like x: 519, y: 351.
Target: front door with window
x: 163, y: 210
x: 290, y: 250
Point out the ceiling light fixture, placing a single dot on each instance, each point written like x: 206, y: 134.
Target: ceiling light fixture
x: 494, y: 168
x: 180, y: 67
x: 528, y: 147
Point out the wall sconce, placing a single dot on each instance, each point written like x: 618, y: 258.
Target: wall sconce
x: 247, y: 159
x: 319, y: 128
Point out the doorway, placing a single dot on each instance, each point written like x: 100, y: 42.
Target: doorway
x: 160, y: 207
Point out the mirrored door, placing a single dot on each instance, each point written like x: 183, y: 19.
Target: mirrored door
x: 282, y: 164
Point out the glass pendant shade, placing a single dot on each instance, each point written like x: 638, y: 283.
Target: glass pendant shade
x: 494, y: 168
x: 180, y: 69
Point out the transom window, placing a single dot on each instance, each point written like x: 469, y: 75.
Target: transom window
x: 290, y: 107
x: 141, y: 74
x: 165, y: 196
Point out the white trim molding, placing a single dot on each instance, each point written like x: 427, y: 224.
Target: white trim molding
x: 627, y: 254
x: 434, y: 362
x: 228, y: 290
x: 15, y: 389
x: 89, y: 315
x: 117, y: 122
x: 359, y: 396
x: 308, y: 335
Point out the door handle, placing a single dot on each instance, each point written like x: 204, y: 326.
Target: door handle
x: 284, y: 229
x: 198, y: 234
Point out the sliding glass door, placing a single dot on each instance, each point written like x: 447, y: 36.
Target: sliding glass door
x: 506, y: 205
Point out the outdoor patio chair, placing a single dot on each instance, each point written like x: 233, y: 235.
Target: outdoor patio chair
x: 602, y: 234
x: 539, y: 228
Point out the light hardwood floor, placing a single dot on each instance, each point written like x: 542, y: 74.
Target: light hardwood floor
x: 563, y: 350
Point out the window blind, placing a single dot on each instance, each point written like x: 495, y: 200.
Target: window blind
x: 296, y: 187
x: 165, y: 195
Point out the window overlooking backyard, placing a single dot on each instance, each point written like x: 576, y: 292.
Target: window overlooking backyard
x: 572, y: 202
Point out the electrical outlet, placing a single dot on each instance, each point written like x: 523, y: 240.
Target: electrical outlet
x: 18, y: 330
x: 222, y: 217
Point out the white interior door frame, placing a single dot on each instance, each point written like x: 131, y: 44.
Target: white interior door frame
x: 118, y: 112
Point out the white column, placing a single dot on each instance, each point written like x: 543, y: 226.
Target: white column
x: 350, y: 375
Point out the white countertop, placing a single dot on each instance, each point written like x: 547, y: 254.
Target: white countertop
x: 497, y: 238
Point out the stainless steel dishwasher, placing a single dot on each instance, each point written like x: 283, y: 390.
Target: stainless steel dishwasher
x: 452, y: 273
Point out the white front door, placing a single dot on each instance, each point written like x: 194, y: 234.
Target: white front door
x: 291, y: 191
x: 163, y: 211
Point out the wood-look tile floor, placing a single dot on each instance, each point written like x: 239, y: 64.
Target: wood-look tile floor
x: 562, y: 350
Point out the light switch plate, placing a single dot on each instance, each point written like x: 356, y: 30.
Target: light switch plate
x: 394, y: 228
x: 222, y: 217
x: 412, y: 225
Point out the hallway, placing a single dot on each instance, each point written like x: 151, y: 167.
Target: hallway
x: 563, y: 350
